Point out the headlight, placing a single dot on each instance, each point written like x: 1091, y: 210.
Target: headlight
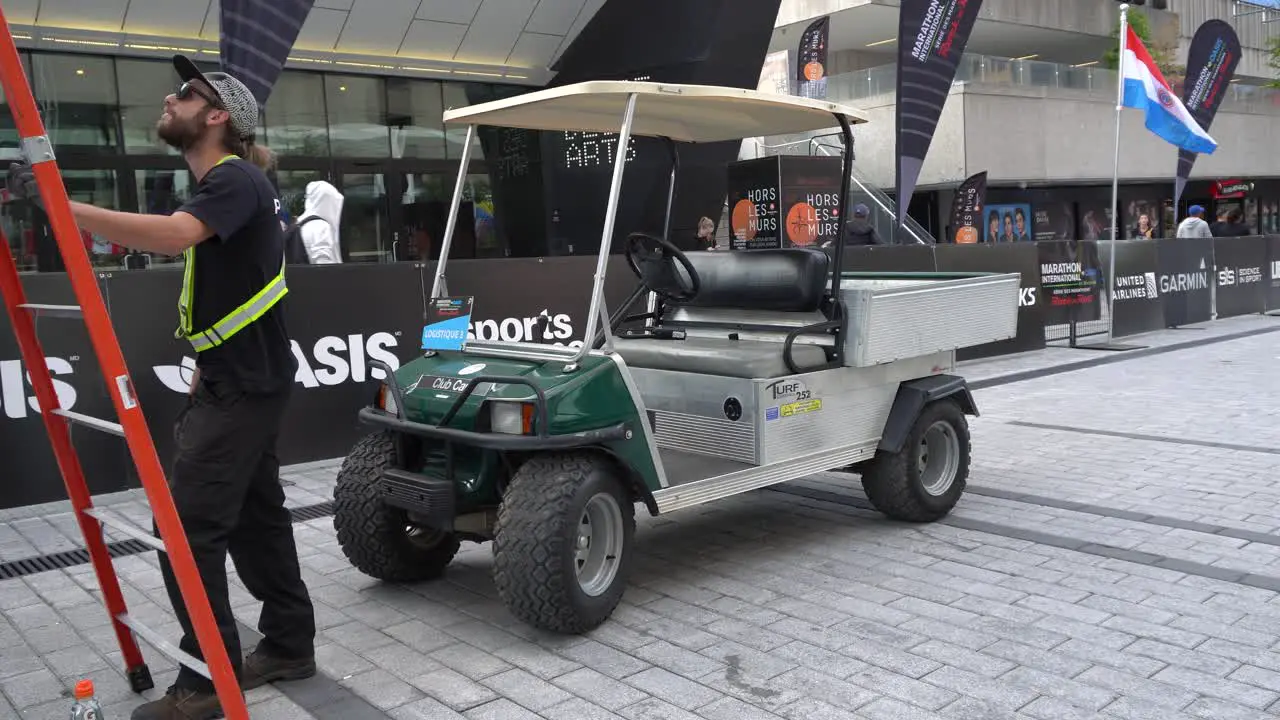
x: 386, y: 400
x: 511, y: 418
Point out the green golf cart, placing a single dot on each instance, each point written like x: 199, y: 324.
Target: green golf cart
x: 741, y: 369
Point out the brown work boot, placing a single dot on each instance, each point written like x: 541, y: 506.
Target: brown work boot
x: 181, y: 704
x: 261, y: 668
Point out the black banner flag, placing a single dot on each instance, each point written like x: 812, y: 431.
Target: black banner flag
x: 931, y: 39
x: 966, y: 209
x: 1211, y: 62
x: 811, y: 60
x: 257, y: 36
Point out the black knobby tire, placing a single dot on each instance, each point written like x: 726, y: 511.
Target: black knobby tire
x: 537, y: 534
x: 377, y: 538
x: 894, y: 482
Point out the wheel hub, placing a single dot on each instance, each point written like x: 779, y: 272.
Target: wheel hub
x: 599, y: 544
x: 938, y: 458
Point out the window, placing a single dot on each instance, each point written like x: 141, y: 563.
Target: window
x: 160, y: 192
x: 295, y: 116
x: 141, y: 102
x: 415, y: 114
x: 78, y: 101
x: 357, y: 116
x: 8, y: 130
x: 365, y: 221
x: 458, y: 95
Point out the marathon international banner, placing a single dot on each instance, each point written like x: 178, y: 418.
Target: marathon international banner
x: 1071, y: 280
x: 811, y: 60
x: 966, y: 209
x: 931, y: 38
x: 257, y: 36
x: 1137, y: 307
x: 1241, y: 267
x: 1211, y: 63
x: 1183, y: 270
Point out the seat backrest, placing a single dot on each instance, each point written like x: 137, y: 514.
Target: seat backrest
x: 775, y: 279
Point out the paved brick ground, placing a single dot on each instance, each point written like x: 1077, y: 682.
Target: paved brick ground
x: 1118, y: 556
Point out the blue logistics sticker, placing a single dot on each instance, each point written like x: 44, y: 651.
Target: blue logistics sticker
x: 447, y: 323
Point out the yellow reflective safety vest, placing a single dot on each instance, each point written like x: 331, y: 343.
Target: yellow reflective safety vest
x: 234, y: 321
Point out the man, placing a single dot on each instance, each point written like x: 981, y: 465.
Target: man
x: 225, y: 478
x: 860, y: 231
x: 1233, y: 226
x: 1194, y: 225
x: 317, y: 227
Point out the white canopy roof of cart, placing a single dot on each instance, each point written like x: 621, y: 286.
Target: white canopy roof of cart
x: 684, y: 113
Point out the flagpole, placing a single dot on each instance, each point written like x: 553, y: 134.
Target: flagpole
x: 1115, y: 176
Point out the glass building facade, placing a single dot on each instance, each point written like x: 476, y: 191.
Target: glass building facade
x: 379, y: 140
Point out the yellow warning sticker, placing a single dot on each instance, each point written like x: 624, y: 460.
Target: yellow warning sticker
x: 803, y: 406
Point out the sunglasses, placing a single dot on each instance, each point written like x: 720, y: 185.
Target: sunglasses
x: 186, y: 90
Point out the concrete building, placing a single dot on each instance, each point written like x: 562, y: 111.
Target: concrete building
x: 1032, y: 106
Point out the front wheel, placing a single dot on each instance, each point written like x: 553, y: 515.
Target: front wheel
x: 377, y: 538
x: 562, y: 542
x: 924, y: 480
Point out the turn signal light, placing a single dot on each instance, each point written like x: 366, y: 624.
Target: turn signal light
x: 511, y: 418
x: 385, y: 400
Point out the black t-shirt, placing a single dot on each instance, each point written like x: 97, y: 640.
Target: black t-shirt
x: 236, y: 200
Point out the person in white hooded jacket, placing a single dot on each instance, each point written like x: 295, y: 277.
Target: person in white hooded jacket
x: 319, y: 223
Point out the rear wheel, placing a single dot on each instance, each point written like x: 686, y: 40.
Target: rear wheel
x: 377, y: 538
x: 924, y: 480
x: 562, y: 542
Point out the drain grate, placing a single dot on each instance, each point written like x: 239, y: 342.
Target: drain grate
x: 122, y: 548
x: 312, y: 512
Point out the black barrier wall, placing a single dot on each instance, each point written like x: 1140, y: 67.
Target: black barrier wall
x: 1240, y: 275
x: 1184, y: 266
x: 1273, y: 273
x: 29, y: 473
x: 340, y: 318
x: 1137, y: 305
x: 343, y: 316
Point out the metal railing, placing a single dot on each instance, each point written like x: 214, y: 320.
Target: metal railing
x: 1005, y: 72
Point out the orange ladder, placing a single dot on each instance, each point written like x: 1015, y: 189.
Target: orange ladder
x: 132, y: 426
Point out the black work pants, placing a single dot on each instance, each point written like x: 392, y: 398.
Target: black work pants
x: 225, y: 483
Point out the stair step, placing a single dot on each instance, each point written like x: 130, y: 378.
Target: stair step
x: 64, y: 311
x: 105, y: 426
x: 116, y: 522
x: 164, y: 646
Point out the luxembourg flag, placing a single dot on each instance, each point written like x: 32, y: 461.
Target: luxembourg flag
x: 1145, y: 89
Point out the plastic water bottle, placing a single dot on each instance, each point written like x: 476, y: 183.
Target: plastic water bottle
x: 86, y: 707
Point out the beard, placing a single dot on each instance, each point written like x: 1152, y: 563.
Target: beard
x: 181, y: 134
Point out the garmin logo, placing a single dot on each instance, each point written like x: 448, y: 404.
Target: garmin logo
x: 332, y: 361
x: 1185, y: 282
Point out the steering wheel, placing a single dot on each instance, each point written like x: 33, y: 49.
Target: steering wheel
x: 655, y: 269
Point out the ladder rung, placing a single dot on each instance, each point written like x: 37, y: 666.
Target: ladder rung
x: 66, y: 311
x: 163, y: 645
x: 105, y: 426
x: 114, y: 521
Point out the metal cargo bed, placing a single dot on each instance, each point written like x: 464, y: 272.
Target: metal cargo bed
x: 893, y: 316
